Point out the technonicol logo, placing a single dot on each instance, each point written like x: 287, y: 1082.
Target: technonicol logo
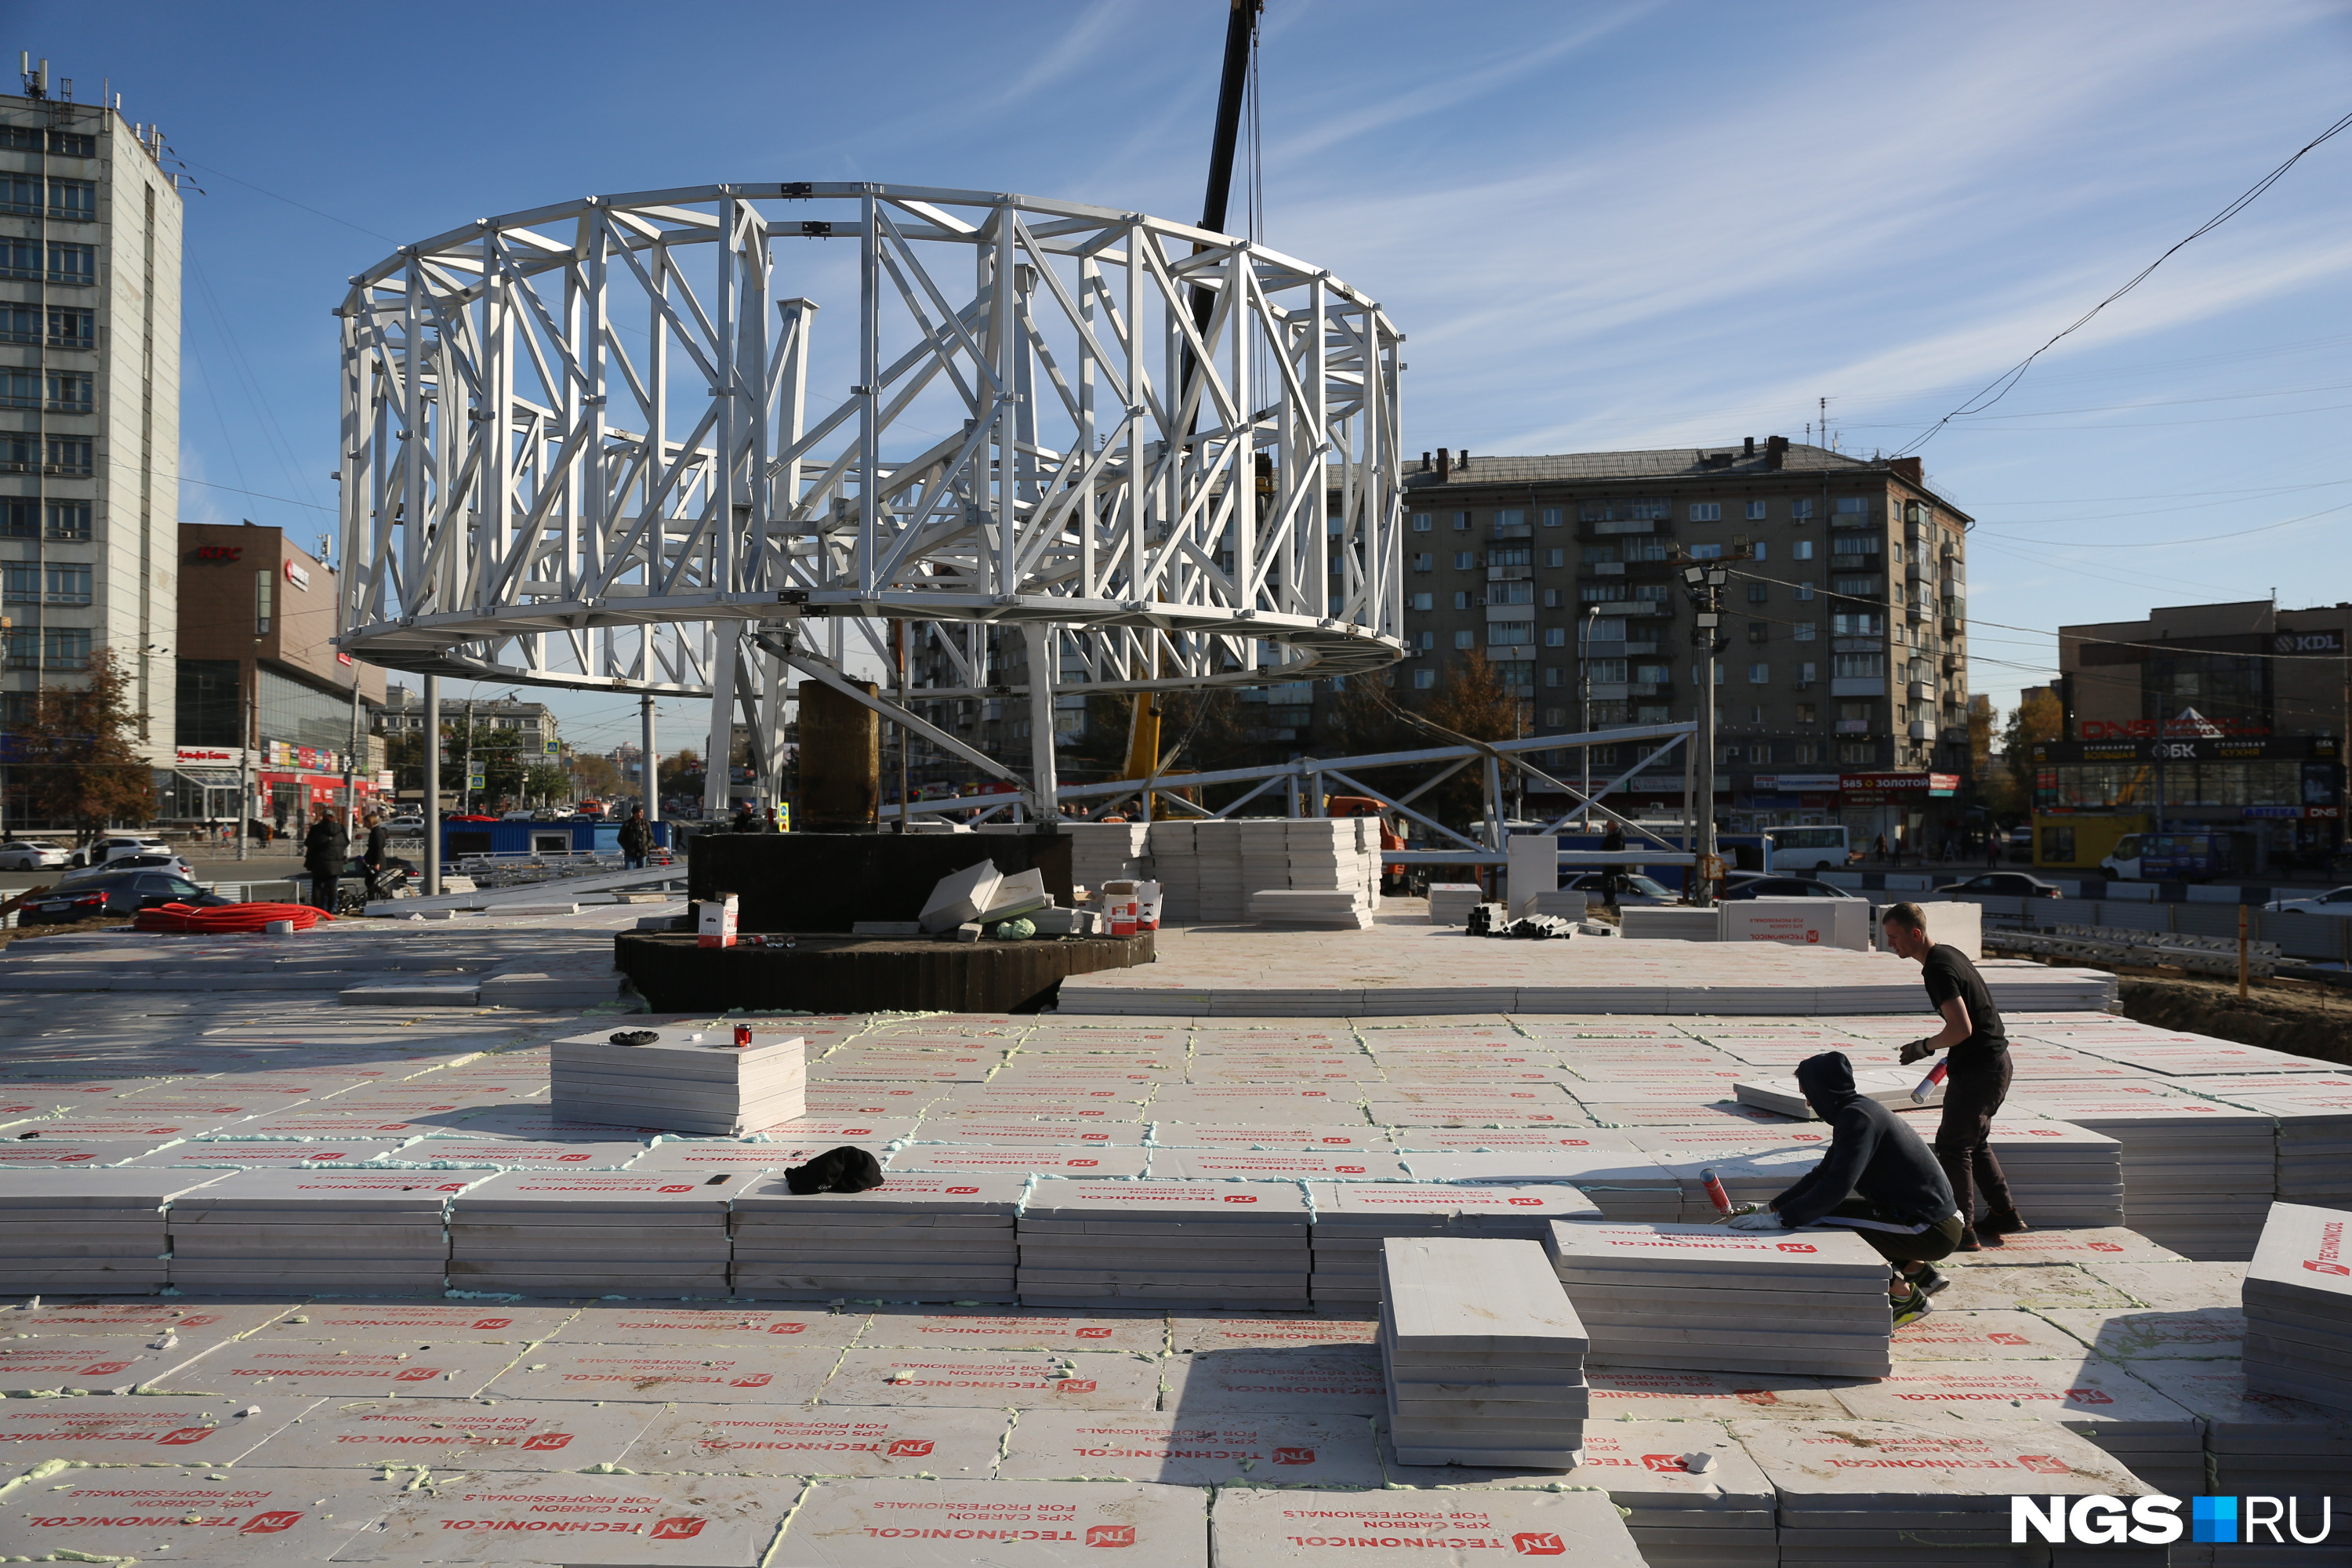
x: 2156, y: 1521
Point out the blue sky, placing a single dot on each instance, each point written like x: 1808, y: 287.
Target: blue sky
x: 1600, y: 225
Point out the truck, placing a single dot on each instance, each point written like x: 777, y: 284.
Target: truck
x: 2193, y: 856
x: 2080, y: 840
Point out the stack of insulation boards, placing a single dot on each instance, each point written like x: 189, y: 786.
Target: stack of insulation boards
x: 1692, y: 1496
x: 2313, y: 1113
x: 2258, y: 1442
x: 707, y: 1086
x: 2097, y: 1399
x: 1233, y: 1245
x: 2198, y: 1175
x: 82, y: 1232
x: 920, y: 1236
x: 1867, y: 1494
x: 572, y: 1233
x: 1623, y: 1181
x: 1099, y: 851
x: 1334, y: 907
x: 1450, y: 904
x: 368, y: 1233
x: 1888, y: 1086
x: 1808, y: 1303
x: 1354, y: 1220
x: 2298, y: 1306
x: 1483, y: 1354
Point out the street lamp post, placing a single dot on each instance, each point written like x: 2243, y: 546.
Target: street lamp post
x: 1705, y: 585
x: 1584, y: 663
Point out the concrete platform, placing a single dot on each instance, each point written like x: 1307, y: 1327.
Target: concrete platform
x: 1402, y: 967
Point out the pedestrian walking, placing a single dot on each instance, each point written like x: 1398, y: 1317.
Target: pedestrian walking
x: 378, y: 850
x: 636, y: 840
x: 326, y: 849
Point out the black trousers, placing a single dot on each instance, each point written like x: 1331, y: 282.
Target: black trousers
x: 324, y: 891
x: 1972, y: 1097
x: 1898, y: 1245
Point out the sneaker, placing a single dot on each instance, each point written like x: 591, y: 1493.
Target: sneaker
x: 1927, y: 1279
x: 2002, y: 1222
x: 1969, y: 1241
x: 1910, y: 1309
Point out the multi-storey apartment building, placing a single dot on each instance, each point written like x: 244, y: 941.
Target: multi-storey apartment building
x: 1842, y: 693
x: 89, y: 375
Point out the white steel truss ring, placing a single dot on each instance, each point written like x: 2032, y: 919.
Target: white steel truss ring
x: 581, y: 446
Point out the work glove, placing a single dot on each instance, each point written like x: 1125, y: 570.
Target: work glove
x: 1917, y: 1050
x: 1757, y: 1219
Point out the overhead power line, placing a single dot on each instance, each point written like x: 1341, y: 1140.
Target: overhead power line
x: 2001, y: 385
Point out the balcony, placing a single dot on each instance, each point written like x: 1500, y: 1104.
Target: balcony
x: 1511, y: 530
x: 1857, y: 686
x: 1858, y: 587
x: 1601, y: 569
x: 1619, y: 525
x: 1921, y: 730
x: 1923, y: 692
x: 1853, y: 726
x: 1510, y: 574
x: 1648, y: 688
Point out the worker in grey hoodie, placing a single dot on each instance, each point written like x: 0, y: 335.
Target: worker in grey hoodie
x: 1877, y: 1180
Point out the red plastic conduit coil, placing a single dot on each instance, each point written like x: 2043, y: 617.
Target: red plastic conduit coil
x: 221, y: 918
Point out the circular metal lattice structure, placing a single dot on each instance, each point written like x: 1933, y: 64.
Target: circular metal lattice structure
x: 616, y: 443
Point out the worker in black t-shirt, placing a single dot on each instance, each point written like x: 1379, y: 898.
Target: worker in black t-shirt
x: 1977, y: 1081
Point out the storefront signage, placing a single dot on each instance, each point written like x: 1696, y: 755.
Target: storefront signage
x: 1795, y: 784
x: 2169, y: 729
x: 217, y: 552
x: 2307, y: 642
x: 297, y: 575
x: 1938, y: 785
x: 2249, y: 748
x: 2291, y: 813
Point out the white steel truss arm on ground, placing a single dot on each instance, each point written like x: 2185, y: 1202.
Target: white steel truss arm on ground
x: 1309, y: 778
x: 594, y: 444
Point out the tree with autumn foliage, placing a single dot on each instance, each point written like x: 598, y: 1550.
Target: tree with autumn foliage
x: 2037, y: 717
x: 78, y: 757
x: 1471, y: 704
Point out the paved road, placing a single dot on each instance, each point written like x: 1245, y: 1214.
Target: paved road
x: 260, y: 868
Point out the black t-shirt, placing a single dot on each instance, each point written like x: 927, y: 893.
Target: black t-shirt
x: 1950, y: 974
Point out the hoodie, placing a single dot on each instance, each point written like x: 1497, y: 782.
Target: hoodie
x: 1871, y: 1155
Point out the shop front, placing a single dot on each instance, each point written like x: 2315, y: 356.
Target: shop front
x: 2269, y: 802
x: 1913, y: 813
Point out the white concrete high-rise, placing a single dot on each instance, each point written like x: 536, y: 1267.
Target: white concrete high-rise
x: 89, y: 400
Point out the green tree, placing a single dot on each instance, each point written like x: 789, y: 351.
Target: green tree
x: 546, y: 783
x: 596, y: 778
x: 1471, y: 704
x: 2037, y: 717
x: 78, y: 755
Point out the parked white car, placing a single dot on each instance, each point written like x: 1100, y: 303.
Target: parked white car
x: 162, y: 861
x: 32, y: 855
x: 2336, y: 901
x: 116, y: 846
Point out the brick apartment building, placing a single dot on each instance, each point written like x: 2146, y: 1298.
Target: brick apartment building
x: 1843, y: 693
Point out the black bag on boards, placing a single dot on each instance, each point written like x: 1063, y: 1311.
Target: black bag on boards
x: 848, y: 1169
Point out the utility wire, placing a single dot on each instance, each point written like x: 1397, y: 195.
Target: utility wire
x: 2001, y: 385
x: 290, y: 201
